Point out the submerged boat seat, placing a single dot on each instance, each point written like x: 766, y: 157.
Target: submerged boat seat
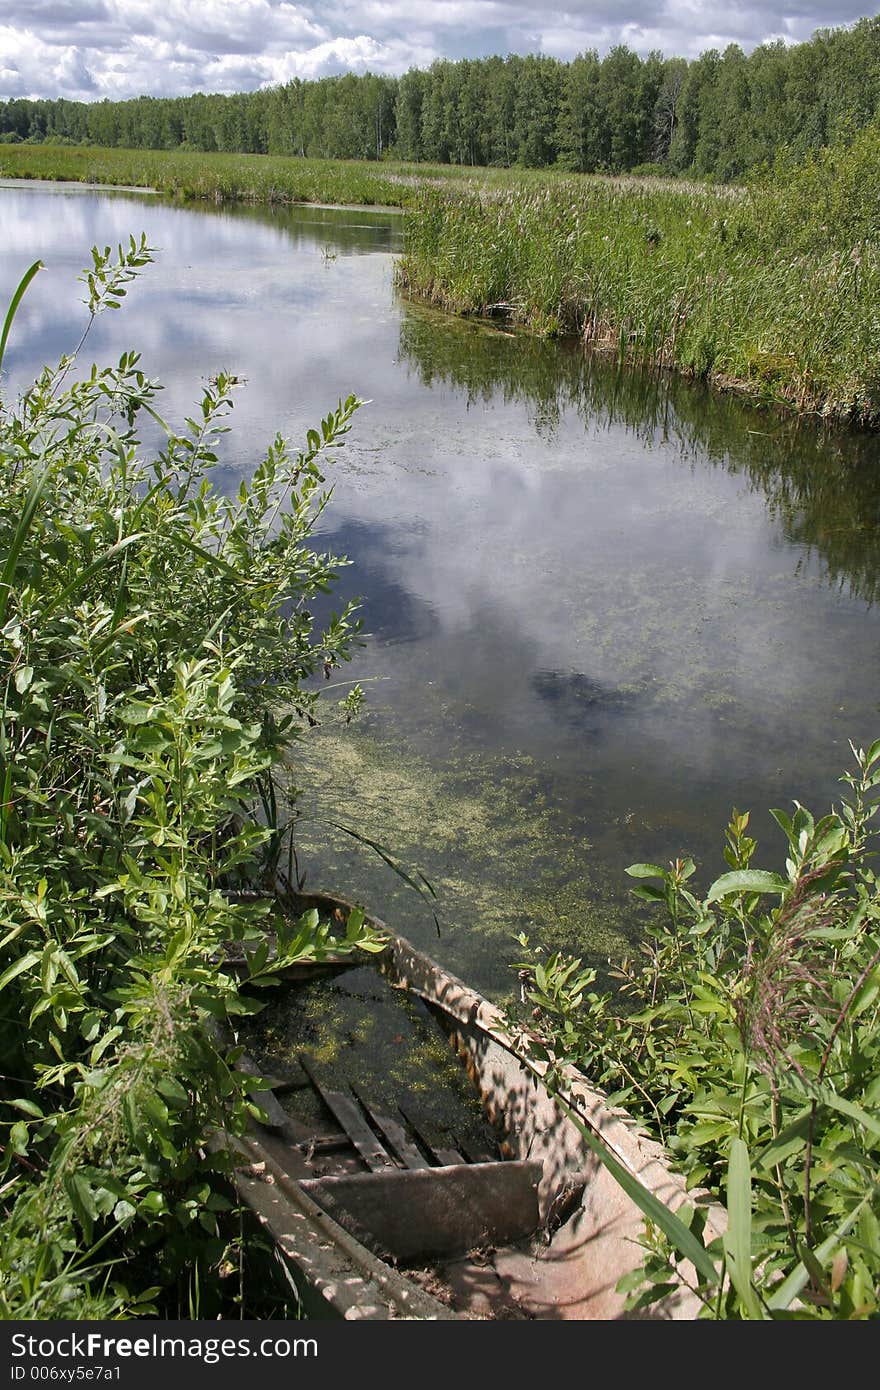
x: 415, y: 1213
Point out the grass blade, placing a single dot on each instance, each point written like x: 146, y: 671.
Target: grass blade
x: 14, y: 303
x: 25, y: 521
x: 738, y: 1236
x: 797, y: 1280
x: 426, y: 893
x: 680, y: 1236
x: 93, y: 568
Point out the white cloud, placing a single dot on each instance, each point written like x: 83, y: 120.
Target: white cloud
x: 88, y: 49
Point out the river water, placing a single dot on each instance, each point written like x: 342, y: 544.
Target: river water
x: 600, y: 609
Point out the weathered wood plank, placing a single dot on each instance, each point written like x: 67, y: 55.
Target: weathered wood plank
x: 415, y: 1214
x: 477, y: 1152
x: 448, y: 1157
x: 444, y: 1154
x: 347, y: 1113
x: 275, y: 1115
x: 408, y: 1152
x: 328, y: 1143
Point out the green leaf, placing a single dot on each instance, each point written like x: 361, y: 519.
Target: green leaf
x: 792, y: 1139
x: 848, y: 1108
x: 782, y: 820
x: 130, y: 1116
x: 18, y: 967
x: 68, y: 968
x: 814, y: 1268
x: 649, y: 893
x: 172, y: 1090
x: 746, y: 881
x: 20, y: 291
x: 62, y: 601
x: 738, y: 1236
x: 176, y: 537
x: 865, y: 995
x: 28, y: 1107
x: 680, y: 1236
x: 354, y: 924
x: 645, y: 871
x: 18, y: 1137
x: 25, y: 521
x: 82, y: 1200
x: 794, y: 1284
x: 256, y: 959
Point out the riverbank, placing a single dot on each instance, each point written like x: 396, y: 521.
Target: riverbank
x: 222, y: 178
x: 770, y: 291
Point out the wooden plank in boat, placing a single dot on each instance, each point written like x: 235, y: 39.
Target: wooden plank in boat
x: 274, y: 1116
x: 347, y: 1113
x: 371, y: 1150
x: 448, y: 1158
x: 327, y: 1144
x: 413, y: 1214
x: 476, y: 1152
x: 409, y: 1153
x: 444, y: 1154
x: 282, y: 1086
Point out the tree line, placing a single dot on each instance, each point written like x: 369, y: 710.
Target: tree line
x: 722, y: 115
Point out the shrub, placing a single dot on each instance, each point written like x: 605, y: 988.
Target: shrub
x: 157, y: 646
x: 746, y: 1037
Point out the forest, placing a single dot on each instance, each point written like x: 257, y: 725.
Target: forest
x: 721, y: 116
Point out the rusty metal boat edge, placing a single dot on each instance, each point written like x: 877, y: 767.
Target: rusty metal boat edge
x: 574, y: 1273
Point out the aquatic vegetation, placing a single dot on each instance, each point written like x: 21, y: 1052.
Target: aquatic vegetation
x: 772, y: 291
x: 481, y: 829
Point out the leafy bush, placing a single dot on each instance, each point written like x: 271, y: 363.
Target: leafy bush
x: 746, y: 1037
x: 157, y: 645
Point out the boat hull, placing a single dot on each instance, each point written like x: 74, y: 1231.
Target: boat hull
x: 587, y: 1229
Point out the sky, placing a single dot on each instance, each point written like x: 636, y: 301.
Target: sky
x: 90, y: 49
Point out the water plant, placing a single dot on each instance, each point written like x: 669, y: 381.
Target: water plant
x: 671, y: 277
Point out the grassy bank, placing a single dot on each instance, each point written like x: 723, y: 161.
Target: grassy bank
x: 258, y: 178
x: 219, y: 177
x: 773, y: 291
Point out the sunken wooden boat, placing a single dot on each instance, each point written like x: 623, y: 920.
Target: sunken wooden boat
x: 386, y: 1202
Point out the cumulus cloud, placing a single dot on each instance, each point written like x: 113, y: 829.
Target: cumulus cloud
x: 87, y: 49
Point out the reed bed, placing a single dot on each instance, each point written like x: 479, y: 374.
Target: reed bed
x: 773, y: 291
x: 732, y: 289
x: 217, y: 177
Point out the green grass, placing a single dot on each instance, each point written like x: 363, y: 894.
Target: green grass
x: 772, y: 291
x: 229, y: 177
x: 724, y: 286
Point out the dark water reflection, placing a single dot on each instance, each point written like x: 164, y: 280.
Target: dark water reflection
x: 601, y: 608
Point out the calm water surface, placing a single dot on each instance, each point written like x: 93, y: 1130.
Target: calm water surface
x: 600, y: 610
